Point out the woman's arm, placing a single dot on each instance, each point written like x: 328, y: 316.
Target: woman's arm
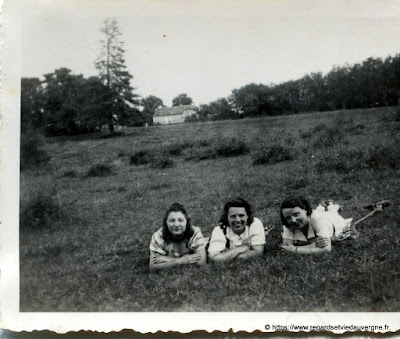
x: 255, y: 251
x: 163, y: 262
x: 203, y: 255
x: 287, y: 246
x: 229, y: 254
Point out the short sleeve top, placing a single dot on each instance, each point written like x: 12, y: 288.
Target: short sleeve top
x: 160, y: 246
x: 319, y: 225
x: 253, y: 235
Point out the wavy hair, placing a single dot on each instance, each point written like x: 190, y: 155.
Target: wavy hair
x: 167, y: 235
x: 236, y: 202
x: 292, y: 202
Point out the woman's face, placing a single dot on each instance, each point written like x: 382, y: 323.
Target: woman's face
x: 176, y: 223
x: 237, y: 217
x: 296, y: 217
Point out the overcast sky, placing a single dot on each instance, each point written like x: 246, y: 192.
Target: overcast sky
x: 207, y: 48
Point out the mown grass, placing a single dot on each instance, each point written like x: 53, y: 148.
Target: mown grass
x: 94, y: 255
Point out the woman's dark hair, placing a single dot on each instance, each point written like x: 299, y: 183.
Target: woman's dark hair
x: 237, y: 202
x: 177, y: 207
x: 292, y: 202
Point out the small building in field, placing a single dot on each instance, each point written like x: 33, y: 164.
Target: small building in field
x: 173, y: 115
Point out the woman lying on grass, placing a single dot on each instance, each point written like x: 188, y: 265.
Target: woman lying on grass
x: 307, y: 231
x: 177, y: 242
x: 239, y: 235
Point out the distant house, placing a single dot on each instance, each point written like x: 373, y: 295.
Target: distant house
x: 173, y: 115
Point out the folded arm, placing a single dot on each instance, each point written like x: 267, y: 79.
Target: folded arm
x: 254, y: 251
x: 321, y: 245
x: 229, y: 254
x: 163, y: 262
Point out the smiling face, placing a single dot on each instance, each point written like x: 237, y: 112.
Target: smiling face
x: 237, y: 218
x: 176, y: 223
x: 296, y: 217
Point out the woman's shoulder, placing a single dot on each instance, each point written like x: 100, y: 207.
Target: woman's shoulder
x: 158, y: 235
x: 287, y: 233
x: 196, y: 229
x: 256, y: 223
x: 318, y: 215
x: 218, y: 232
x: 157, y: 243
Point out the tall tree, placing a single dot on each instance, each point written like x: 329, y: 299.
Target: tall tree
x: 61, y: 103
x: 182, y: 99
x: 150, y: 104
x: 252, y: 99
x: 114, y: 74
x: 32, y: 100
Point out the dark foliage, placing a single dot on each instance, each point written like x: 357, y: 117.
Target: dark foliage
x: 229, y: 147
x: 162, y: 161
x: 383, y: 157
x: 140, y: 158
x: 100, y: 170
x: 41, y: 212
x: 70, y: 174
x: 32, y: 155
x: 271, y: 155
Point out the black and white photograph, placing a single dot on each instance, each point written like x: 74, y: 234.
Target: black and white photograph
x: 230, y: 163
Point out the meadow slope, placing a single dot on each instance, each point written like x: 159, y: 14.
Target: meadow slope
x: 88, y: 215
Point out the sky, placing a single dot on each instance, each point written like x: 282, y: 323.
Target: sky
x: 208, y: 48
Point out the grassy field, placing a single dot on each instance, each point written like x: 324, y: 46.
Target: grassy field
x: 88, y: 215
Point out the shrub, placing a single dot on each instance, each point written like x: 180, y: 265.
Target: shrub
x: 41, y: 211
x: 272, y: 155
x: 178, y: 149
x: 32, y: 155
x: 140, y: 158
x: 100, y: 170
x: 203, y: 153
x: 379, y: 158
x: 355, y: 129
x: 161, y: 161
x: 70, y: 174
x: 329, y: 136
x: 204, y: 149
x: 231, y: 148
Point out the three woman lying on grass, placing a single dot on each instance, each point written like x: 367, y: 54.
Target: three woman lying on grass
x: 240, y: 235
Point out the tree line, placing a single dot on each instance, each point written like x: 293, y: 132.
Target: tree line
x: 374, y: 82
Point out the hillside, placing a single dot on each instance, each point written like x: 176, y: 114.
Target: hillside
x: 88, y: 215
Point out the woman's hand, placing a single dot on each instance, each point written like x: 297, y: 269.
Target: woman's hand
x: 322, y: 242
x: 190, y: 258
x: 158, y: 259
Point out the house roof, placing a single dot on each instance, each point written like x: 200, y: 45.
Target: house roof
x: 174, y: 110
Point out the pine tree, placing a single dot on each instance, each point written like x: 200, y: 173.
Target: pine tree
x: 113, y: 73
